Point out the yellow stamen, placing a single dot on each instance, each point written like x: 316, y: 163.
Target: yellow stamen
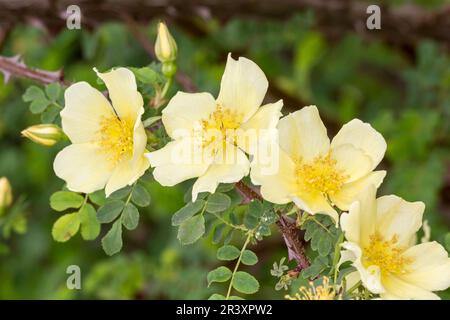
x: 386, y: 254
x: 221, y: 124
x: 116, y: 138
x: 321, y: 292
x: 321, y: 175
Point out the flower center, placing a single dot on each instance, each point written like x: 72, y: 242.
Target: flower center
x: 325, y: 291
x: 386, y: 254
x: 221, y: 125
x: 320, y: 176
x: 116, y: 138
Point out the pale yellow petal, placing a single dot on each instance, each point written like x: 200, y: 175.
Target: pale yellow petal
x: 362, y: 136
x: 314, y: 203
x: 276, y: 176
x: 83, y: 166
x: 230, y: 165
x: 178, y: 161
x: 399, y: 218
x: 430, y: 267
x: 126, y: 173
x: 185, y: 111
x: 398, y: 289
x: 139, y: 141
x: 261, y: 126
x: 303, y: 134
x: 352, y: 163
x: 360, y: 221
x: 344, y: 197
x: 370, y: 276
x: 122, y: 90
x: 84, y: 109
x: 243, y: 87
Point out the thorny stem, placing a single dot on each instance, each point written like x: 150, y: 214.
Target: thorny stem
x: 236, y: 267
x: 289, y: 230
x: 13, y: 66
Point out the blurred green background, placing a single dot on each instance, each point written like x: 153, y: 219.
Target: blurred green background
x: 402, y: 89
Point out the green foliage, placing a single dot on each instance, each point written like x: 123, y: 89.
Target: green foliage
x: 228, y: 253
x: 191, y: 229
x: 249, y: 258
x: 324, y: 238
x: 130, y: 217
x: 110, y: 210
x: 220, y: 274
x: 45, y: 102
x: 63, y: 200
x: 187, y: 212
x: 140, y: 196
x: 90, y: 226
x: 66, y: 227
x: 245, y: 283
x: 112, y: 241
x: 218, y: 202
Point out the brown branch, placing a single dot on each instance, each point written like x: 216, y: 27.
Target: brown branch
x: 287, y: 226
x: 400, y: 25
x: 14, y: 67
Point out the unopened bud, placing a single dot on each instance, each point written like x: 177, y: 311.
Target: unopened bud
x: 165, y: 45
x: 5, y: 194
x: 45, y: 134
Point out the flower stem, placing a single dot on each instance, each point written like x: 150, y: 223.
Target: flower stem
x: 236, y: 267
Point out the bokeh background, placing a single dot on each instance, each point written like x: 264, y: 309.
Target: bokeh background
x: 313, y: 52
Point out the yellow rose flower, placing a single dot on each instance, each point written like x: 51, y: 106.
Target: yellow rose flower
x: 380, y: 236
x: 211, y: 135
x: 311, y: 171
x: 108, y: 141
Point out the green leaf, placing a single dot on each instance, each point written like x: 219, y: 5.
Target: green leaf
x: 112, y: 241
x: 225, y: 187
x: 98, y: 197
x: 53, y: 90
x: 216, y: 296
x: 33, y: 93
x: 221, y: 274
x: 192, y: 229
x: 228, y: 253
x: 140, y: 196
x: 62, y: 200
x: 319, y: 264
x: 130, y: 216
x: 218, y: 233
x: 110, y: 211
x: 66, y: 227
x: 121, y: 193
x: 218, y: 202
x: 39, y: 105
x: 245, y: 283
x: 324, y: 245
x: 90, y: 227
x: 255, y: 209
x: 147, y: 75
x: 235, y: 298
x: 50, y: 114
x: 186, y: 212
x: 249, y: 258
